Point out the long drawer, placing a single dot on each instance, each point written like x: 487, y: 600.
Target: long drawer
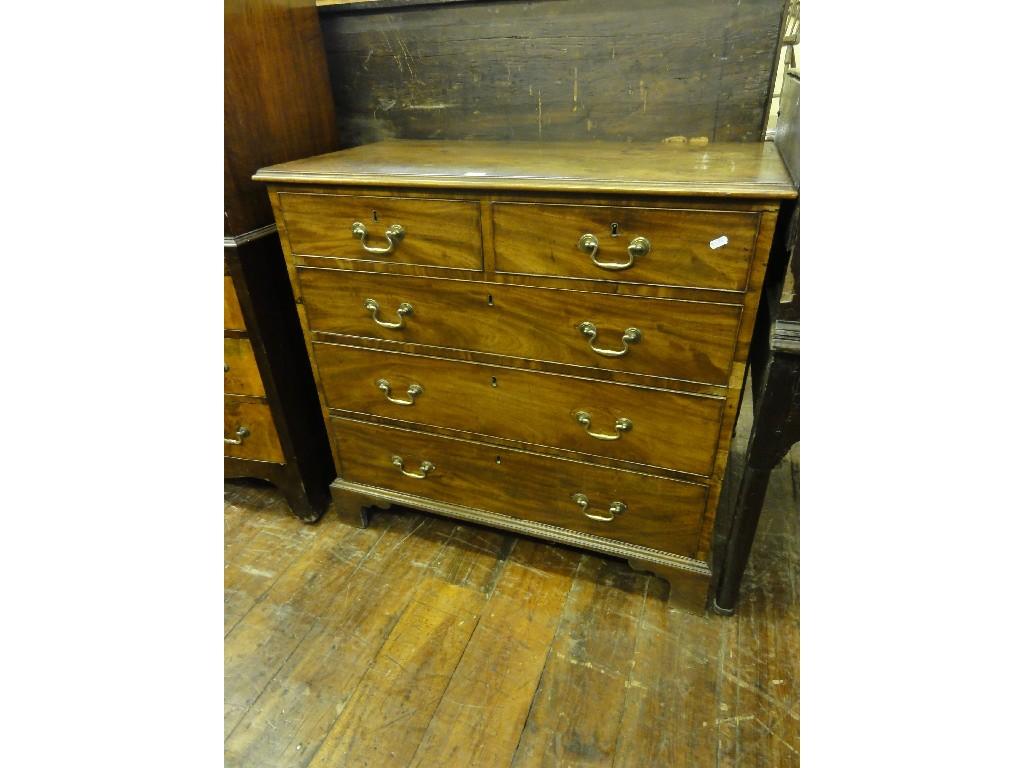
x: 648, y: 426
x: 439, y: 233
x: 662, y: 337
x: 250, y: 426
x: 696, y: 248
x: 634, y: 508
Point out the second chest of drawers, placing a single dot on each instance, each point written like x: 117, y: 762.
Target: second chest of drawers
x: 545, y: 338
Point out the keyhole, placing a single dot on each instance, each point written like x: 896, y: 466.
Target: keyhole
x: 490, y: 300
x: 375, y: 217
x: 615, y: 229
x: 494, y: 381
x: 497, y: 459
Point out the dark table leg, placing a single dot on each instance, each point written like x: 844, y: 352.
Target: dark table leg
x: 776, y: 427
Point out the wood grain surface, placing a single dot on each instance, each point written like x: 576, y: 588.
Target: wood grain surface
x: 262, y: 443
x: 722, y: 170
x: 241, y: 374
x: 277, y: 103
x: 661, y: 514
x: 441, y: 233
x: 686, y: 247
x: 233, y: 318
x: 553, y: 69
x: 679, y: 339
x: 668, y: 429
x: 427, y: 639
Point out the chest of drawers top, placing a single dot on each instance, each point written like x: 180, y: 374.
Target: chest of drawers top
x: 735, y: 170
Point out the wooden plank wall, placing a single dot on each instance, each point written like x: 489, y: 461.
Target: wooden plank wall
x: 553, y: 70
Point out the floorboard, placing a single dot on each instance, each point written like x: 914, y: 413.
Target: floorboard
x: 421, y: 641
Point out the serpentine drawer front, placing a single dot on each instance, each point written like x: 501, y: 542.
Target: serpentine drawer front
x: 546, y: 338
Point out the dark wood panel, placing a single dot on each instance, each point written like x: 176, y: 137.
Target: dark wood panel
x: 555, y: 70
x: 665, y: 429
x: 660, y: 514
x: 277, y: 102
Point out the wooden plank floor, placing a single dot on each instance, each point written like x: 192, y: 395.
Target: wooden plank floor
x: 422, y: 641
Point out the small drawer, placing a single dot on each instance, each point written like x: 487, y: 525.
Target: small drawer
x: 241, y: 374
x: 233, y: 320
x: 249, y: 426
x: 656, y: 427
x: 659, y: 246
x: 625, y: 506
x: 674, y: 339
x: 436, y: 233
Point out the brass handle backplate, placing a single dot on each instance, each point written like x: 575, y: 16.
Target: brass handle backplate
x: 638, y: 246
x: 404, y: 309
x: 622, y: 425
x: 425, y: 468
x: 242, y: 432
x: 614, y: 509
x: 630, y: 336
x: 414, y: 389
x: 394, y: 234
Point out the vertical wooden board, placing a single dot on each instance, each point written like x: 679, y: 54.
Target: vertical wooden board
x: 385, y: 718
x: 761, y: 696
x: 577, y: 711
x: 482, y: 712
x: 554, y: 70
x: 258, y: 645
x: 672, y: 693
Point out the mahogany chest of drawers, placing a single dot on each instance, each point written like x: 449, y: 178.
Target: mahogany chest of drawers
x: 546, y: 338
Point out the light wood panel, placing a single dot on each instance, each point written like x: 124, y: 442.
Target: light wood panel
x: 730, y: 170
x: 528, y: 406
x: 686, y: 246
x: 262, y: 442
x: 233, y: 319
x: 661, y: 514
x: 241, y: 374
x: 440, y: 233
x: 679, y: 339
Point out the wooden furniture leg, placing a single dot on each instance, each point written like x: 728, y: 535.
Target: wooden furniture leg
x: 688, y: 591
x: 776, y: 428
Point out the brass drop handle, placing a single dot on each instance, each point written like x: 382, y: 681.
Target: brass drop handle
x: 394, y: 233
x: 425, y: 468
x: 243, y: 432
x: 404, y: 309
x: 615, y: 508
x: 414, y: 389
x: 638, y: 246
x: 630, y: 336
x: 622, y: 425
